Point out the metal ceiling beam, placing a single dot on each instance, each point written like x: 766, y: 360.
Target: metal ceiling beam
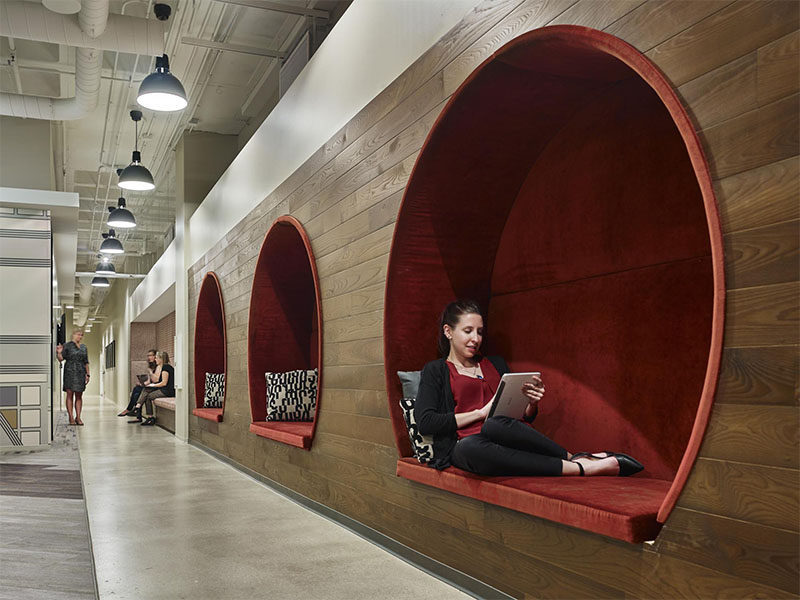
x: 280, y: 7
x: 192, y: 41
x: 111, y: 275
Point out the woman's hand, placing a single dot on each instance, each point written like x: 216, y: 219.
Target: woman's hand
x: 87, y: 378
x: 534, y: 390
x: 484, y: 412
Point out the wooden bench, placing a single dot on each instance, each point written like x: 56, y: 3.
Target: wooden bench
x: 165, y: 413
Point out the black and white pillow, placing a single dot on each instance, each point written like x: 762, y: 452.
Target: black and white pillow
x: 421, y: 444
x: 215, y: 390
x: 292, y: 396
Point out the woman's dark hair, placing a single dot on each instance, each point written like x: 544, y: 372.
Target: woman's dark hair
x: 450, y: 316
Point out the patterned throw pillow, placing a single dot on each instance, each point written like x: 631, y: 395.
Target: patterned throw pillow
x: 215, y: 390
x: 421, y: 444
x: 292, y: 396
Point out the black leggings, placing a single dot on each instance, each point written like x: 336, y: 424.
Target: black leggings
x: 508, y: 447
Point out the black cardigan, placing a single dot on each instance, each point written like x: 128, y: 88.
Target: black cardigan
x: 435, y: 408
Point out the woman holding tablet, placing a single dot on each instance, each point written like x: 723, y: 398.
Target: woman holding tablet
x: 454, y: 401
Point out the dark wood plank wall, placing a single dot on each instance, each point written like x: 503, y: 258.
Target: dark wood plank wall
x: 734, y: 532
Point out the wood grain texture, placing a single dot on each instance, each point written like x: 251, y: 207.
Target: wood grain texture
x: 755, y: 493
x: 530, y: 15
x: 760, y: 196
x: 754, y: 139
x: 763, y: 316
x: 597, y: 14
x: 762, y: 554
x: 763, y: 256
x: 750, y: 434
x: 768, y: 376
x: 723, y: 36
x: 778, y: 65
x: 732, y: 59
x: 653, y: 22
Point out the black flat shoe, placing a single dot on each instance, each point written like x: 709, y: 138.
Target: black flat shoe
x: 149, y: 421
x: 627, y: 464
x: 124, y: 413
x: 590, y: 455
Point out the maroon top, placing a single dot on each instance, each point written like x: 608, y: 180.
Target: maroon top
x: 472, y: 393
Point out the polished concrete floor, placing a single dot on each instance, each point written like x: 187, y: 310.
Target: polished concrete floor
x: 169, y: 521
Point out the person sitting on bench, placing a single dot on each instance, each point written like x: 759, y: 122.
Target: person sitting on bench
x: 454, y: 400
x: 153, y: 375
x: 164, y: 388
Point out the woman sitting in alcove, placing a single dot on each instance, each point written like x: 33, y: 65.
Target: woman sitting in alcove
x: 454, y: 400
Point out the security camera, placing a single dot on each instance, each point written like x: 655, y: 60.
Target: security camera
x: 162, y: 11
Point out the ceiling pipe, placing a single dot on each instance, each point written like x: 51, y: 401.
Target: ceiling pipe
x: 88, y: 65
x: 117, y: 33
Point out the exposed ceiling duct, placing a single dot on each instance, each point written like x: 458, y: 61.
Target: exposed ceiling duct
x: 93, y: 31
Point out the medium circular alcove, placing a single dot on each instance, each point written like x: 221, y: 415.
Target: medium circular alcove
x: 564, y: 188
x: 284, y: 331
x: 210, y: 346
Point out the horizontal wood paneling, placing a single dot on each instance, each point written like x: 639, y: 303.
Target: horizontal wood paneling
x: 755, y: 493
x: 750, y: 434
x: 761, y: 316
x: 654, y: 22
x: 756, y: 138
x: 768, y: 376
x: 762, y: 554
x: 732, y: 532
x: 763, y: 256
x: 761, y: 196
x: 724, y: 36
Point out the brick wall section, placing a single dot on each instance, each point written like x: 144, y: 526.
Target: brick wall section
x: 142, y: 338
x: 165, y: 335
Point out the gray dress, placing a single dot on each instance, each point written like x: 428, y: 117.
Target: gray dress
x: 75, y: 361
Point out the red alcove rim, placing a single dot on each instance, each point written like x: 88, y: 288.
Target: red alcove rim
x: 284, y: 330
x: 210, y: 345
x: 564, y: 187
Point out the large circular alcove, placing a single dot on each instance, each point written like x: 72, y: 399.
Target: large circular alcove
x: 284, y: 331
x: 564, y: 188
x: 210, y: 346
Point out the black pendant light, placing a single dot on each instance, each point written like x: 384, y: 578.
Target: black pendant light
x: 100, y: 282
x: 120, y: 216
x: 111, y: 245
x: 104, y: 267
x: 161, y: 90
x: 135, y: 176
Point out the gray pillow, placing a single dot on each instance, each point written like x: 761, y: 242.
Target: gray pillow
x: 410, y: 381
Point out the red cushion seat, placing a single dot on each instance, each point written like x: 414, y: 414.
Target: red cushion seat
x: 210, y: 344
x: 210, y: 414
x: 284, y: 325
x: 294, y: 433
x: 622, y: 508
x: 564, y: 188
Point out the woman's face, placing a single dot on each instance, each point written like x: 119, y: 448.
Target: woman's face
x: 159, y: 360
x: 466, y: 336
x: 151, y: 358
x: 77, y: 336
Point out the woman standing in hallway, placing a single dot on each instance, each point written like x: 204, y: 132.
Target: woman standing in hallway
x: 165, y: 388
x: 76, y: 373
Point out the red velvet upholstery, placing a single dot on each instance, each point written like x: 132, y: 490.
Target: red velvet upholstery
x: 284, y: 331
x: 564, y: 188
x: 210, y: 346
x: 621, y: 508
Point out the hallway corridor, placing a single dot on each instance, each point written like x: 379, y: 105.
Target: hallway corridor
x: 168, y: 520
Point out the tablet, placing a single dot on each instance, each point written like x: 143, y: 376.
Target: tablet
x: 143, y: 379
x: 509, y: 401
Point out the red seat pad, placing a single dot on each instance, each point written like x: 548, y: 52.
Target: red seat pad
x: 620, y: 507
x: 294, y: 433
x: 211, y: 414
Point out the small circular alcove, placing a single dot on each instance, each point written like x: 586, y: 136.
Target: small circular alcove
x: 284, y: 331
x: 564, y: 188
x: 210, y: 351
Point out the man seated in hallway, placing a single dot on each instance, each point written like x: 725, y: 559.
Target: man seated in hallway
x: 153, y: 376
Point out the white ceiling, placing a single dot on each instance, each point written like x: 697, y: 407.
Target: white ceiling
x: 229, y: 93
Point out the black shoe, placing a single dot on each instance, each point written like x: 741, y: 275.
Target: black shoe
x: 136, y: 420
x: 627, y: 464
x: 149, y: 421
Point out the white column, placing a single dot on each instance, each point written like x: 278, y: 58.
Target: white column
x: 182, y: 247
